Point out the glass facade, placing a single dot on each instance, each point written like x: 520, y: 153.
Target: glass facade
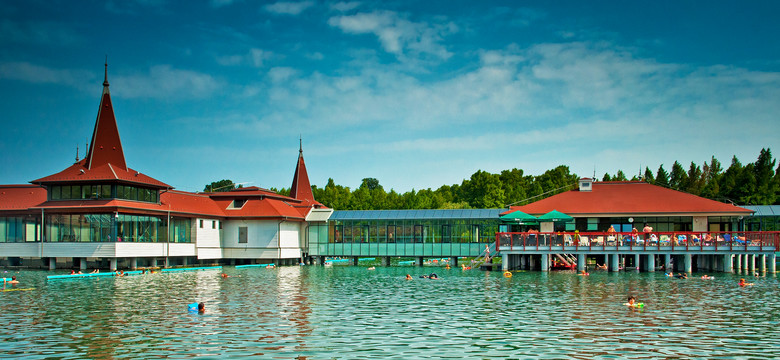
x: 622, y: 224
x: 434, y: 231
x: 115, y: 227
x: 18, y: 229
x: 102, y: 191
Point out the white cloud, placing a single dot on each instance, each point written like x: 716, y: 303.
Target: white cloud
x: 288, y: 8
x: 258, y: 56
x: 39, y: 33
x: 280, y: 74
x: 165, y: 82
x: 254, y: 57
x: 398, y: 35
x: 27, y: 72
x: 345, y: 6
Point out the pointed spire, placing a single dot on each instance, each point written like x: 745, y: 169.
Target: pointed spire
x: 105, y: 76
x: 301, y: 187
x: 106, y: 146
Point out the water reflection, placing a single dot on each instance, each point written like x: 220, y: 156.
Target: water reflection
x: 349, y: 312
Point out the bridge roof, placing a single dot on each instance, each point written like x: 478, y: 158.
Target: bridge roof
x: 764, y: 210
x: 415, y: 214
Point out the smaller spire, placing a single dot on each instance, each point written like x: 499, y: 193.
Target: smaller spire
x: 300, y: 145
x: 105, y: 76
x: 77, y: 152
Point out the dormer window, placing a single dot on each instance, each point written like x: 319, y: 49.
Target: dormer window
x: 586, y: 184
x: 237, y: 204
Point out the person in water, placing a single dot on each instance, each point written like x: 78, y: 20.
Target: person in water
x: 12, y: 281
x: 408, y: 277
x: 632, y: 302
x: 743, y: 283
x: 681, y: 276
x: 433, y: 276
x: 201, y: 308
x: 583, y: 273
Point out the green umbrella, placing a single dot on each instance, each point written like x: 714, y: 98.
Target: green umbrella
x: 518, y: 216
x: 554, y: 216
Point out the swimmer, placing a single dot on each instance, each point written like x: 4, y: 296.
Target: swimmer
x: 225, y: 276
x: 633, y: 304
x: 372, y: 268
x: 408, y: 277
x: 433, y: 276
x: 447, y: 267
x: 743, y: 283
x: 583, y: 273
x: 12, y: 281
x: 681, y: 276
x: 669, y: 274
x: 707, y: 277
x: 201, y: 308
x: 601, y: 267
x: 95, y: 271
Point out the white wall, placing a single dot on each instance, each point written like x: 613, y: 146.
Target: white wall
x: 208, y: 239
x: 266, y: 239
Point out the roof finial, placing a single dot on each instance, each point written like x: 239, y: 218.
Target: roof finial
x: 77, y: 152
x: 300, y: 144
x: 105, y: 77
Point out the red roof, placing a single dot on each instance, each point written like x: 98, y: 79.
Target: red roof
x: 261, y: 203
x: 301, y: 188
x: 21, y: 197
x: 106, y: 146
x: 105, y: 159
x: 79, y: 172
x: 629, y: 198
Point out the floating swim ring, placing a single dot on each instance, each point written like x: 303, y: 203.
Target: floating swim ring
x: 507, y: 274
x: 192, y: 307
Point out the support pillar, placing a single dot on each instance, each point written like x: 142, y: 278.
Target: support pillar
x: 613, y: 263
x: 112, y: 265
x: 650, y: 265
x: 185, y: 262
x: 504, y: 262
x: 167, y: 262
x: 52, y: 263
x: 688, y: 263
x: 524, y: 262
x: 133, y: 263
x: 745, y: 263
x: 772, y: 264
x: 545, y: 262
x: 454, y: 261
x: 752, y: 264
x: 727, y: 264
x: 82, y: 264
x: 385, y: 261
x: 636, y: 261
x: 354, y: 261
x: 668, y: 263
x: 320, y: 260
x: 738, y: 266
x: 763, y: 263
x: 420, y: 261
x: 580, y: 262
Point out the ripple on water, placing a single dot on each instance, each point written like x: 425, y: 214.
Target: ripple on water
x: 351, y: 313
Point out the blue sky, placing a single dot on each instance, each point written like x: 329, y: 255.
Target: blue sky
x: 415, y: 94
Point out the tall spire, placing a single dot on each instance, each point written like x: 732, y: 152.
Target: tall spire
x: 105, y: 76
x: 301, y: 187
x: 106, y: 146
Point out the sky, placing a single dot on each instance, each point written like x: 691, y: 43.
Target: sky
x: 417, y: 94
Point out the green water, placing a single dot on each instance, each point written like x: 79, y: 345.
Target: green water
x: 353, y: 313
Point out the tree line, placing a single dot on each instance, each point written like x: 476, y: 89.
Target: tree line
x: 752, y: 184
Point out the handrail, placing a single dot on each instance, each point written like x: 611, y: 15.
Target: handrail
x: 658, y: 240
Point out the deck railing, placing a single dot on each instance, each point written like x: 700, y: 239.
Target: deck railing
x: 674, y: 240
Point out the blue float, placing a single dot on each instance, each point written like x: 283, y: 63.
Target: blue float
x: 254, y: 265
x: 91, y: 275
x: 192, y: 269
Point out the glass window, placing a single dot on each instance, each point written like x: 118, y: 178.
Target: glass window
x: 201, y: 224
x: 242, y: 234
x: 56, y: 192
x: 213, y: 224
x: 65, y: 192
x: 105, y: 191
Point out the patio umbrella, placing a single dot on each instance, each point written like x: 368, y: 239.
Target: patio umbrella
x: 554, y: 216
x: 518, y: 216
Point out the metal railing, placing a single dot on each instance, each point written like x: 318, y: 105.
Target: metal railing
x: 674, y: 240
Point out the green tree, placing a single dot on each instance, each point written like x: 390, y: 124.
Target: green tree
x: 483, y: 191
x: 606, y: 177
x: 648, y: 177
x: 221, y: 186
x: 765, y: 192
x: 661, y: 177
x: 696, y: 180
x: 620, y: 176
x: 678, y: 178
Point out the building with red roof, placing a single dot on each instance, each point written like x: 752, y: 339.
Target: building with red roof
x: 98, y: 212
x: 595, y: 206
